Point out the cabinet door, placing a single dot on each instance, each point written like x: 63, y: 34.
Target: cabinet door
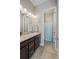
x: 22, y: 53
x: 27, y: 55
x: 31, y: 48
x: 37, y: 42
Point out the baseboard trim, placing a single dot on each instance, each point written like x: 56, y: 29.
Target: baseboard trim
x: 41, y: 44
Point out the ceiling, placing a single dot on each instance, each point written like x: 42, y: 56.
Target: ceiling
x: 37, y: 2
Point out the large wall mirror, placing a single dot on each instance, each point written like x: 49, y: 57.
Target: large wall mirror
x: 25, y: 23
x: 28, y: 21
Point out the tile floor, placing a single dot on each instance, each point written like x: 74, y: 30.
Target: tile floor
x: 46, y: 52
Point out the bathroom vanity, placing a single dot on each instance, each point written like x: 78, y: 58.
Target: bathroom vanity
x: 28, y: 44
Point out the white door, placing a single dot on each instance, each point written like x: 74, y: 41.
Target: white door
x: 55, y: 30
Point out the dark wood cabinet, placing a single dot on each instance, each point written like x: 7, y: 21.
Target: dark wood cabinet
x: 26, y: 52
x: 22, y: 53
x: 37, y: 41
x: 31, y: 48
x: 28, y: 47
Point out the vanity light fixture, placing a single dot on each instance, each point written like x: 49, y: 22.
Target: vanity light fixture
x: 24, y: 11
x: 21, y: 8
x: 33, y: 16
x: 29, y: 14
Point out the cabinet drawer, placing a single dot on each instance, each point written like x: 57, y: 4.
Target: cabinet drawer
x: 31, y: 43
x: 22, y: 44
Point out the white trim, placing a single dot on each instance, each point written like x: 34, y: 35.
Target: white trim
x: 41, y: 44
x: 23, y: 23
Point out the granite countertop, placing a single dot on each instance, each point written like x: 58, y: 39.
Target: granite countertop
x: 26, y: 36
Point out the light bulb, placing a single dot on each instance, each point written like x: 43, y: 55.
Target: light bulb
x: 25, y: 10
x: 29, y: 14
x: 33, y: 16
x: 21, y: 8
